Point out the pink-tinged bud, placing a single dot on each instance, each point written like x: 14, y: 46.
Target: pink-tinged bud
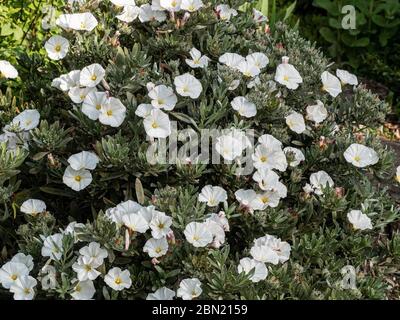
x: 154, y: 261
x: 339, y: 191
x: 153, y: 199
x: 279, y: 46
x: 267, y: 29
x: 285, y: 60
x: 171, y: 237
x: 185, y: 18
x: 127, y: 239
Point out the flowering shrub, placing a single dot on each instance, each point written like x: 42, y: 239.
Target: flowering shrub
x: 286, y: 207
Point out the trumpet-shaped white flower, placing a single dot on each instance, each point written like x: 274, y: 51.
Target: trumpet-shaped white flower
x: 248, y: 69
x: 319, y: 181
x: 146, y: 14
x: 77, y: 21
x: 346, y: 77
x: 129, y: 13
x: 359, y: 220
x: 287, y: 75
x: 83, y: 290
x: 269, y: 180
x: 56, y: 47
x: 52, y: 246
x: 27, y: 260
x: 232, y: 60
x: 229, y: 146
x: 281, y: 248
x: 113, y: 113
x: 144, y: 110
x: 295, y: 155
x: 161, y: 294
x: 188, y: 86
x: 189, y: 289
x: 197, y: 234
x: 118, y: 279
x: 191, y: 5
x: 77, y: 180
x: 92, y: 75
x: 360, y: 155
x: 67, y: 81
x: 10, y: 272
x: 123, y: 3
x: 163, y: 97
x: 78, y: 94
x: 157, y: 124
x: 23, y: 288
x: 220, y: 219
x: 260, y: 270
x: 93, y: 103
x: 7, y: 70
x: 244, y: 107
x: 267, y: 199
x: 265, y: 254
x: 217, y: 232
x: 95, y: 252
x: 225, y: 12
x: 258, y: 16
x: 135, y: 222
x: 156, y: 248
x: 212, y: 195
x: 198, y: 60
x: 160, y: 225
x: 171, y: 5
x: 317, y: 112
x: 246, y: 198
x: 33, y: 207
x: 269, y: 156
x: 258, y: 59
x: 331, y: 84
x: 295, y: 122
x: 83, y: 160
x: 85, y: 268
x: 27, y: 119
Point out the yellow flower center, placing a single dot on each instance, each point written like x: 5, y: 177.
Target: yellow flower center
x: 160, y: 101
x: 83, y: 25
x: 14, y: 277
x: 57, y: 48
x: 286, y: 78
x: 78, y: 178
x: 161, y: 226
x: 173, y: 4
x: 98, y: 106
x: 28, y: 122
x: 191, y: 8
x: 88, y: 267
x: 196, y: 238
x: 109, y: 113
x: 118, y: 280
x: 264, y: 199
x: 247, y: 74
x: 82, y: 96
x: 185, y: 89
x: 154, y: 125
x: 263, y: 159
x: 94, y: 77
x: 27, y: 291
x: 357, y: 158
x: 158, y: 250
x: 78, y: 288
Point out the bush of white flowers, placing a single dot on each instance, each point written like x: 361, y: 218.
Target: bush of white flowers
x: 187, y: 149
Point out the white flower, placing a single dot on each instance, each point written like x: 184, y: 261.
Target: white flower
x: 246, y: 198
x: 52, y: 246
x: 281, y: 248
x: 48, y: 277
x: 113, y: 113
x: 67, y: 81
x: 92, y: 75
x: 77, y: 21
x: 359, y: 220
x: 267, y: 199
x: 161, y: 294
x: 212, y: 195
x: 118, y: 279
x: 347, y: 77
x: 123, y: 3
x: 95, y: 252
x: 33, y: 207
x: 320, y: 180
x: 197, y: 234
x: 27, y: 119
x: 217, y: 232
x: 259, y: 59
x: 260, y: 270
x: 229, y: 147
x: 295, y: 122
x: 258, y: 16
x: 56, y: 47
x: 248, y: 69
x: 71, y: 229
x: 144, y: 110
x: 360, y: 155
x: 269, y: 180
x: 244, y: 107
x: 331, y: 84
x: 397, y: 177
x: 135, y: 222
x: 171, y: 5
x: 157, y: 124
x: 163, y: 97
x: 232, y: 60
x: 225, y: 12
x: 7, y: 70
x: 27, y: 260
x: 11, y: 271
x: 317, y: 113
x: 297, y: 155
x: 83, y: 290
x: 23, y: 288
x: 129, y: 13
x: 263, y: 253
x: 93, y: 103
x: 77, y: 180
x: 160, y: 225
x: 287, y: 75
x: 156, y: 248
x: 197, y: 61
x: 146, y: 14
x: 191, y: 5
x: 188, y: 86
x: 269, y: 156
x: 189, y: 289
x: 78, y: 94
x: 83, y: 160
x: 85, y: 268
x: 219, y: 218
